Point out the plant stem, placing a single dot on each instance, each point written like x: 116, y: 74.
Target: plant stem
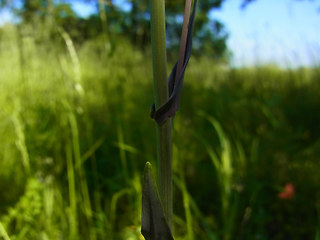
x: 164, y: 142
x: 104, y: 22
x: 184, y: 34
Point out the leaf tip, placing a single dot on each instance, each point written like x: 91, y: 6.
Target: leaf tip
x: 148, y: 166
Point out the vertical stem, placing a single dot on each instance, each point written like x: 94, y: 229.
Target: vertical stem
x: 73, y: 216
x: 165, y: 169
x: 82, y: 175
x: 158, y: 39
x: 104, y: 21
x: 184, y: 34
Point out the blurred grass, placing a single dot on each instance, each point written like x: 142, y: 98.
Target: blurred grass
x: 75, y: 135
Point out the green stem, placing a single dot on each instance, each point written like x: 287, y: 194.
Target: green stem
x: 158, y: 39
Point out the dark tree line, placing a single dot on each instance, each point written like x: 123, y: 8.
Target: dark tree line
x: 111, y: 20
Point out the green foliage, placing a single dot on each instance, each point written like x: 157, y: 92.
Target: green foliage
x: 112, y: 21
x: 75, y: 134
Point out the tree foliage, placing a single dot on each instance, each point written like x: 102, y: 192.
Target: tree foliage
x: 134, y: 22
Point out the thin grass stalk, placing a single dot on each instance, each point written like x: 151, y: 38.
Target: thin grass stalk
x: 21, y: 140
x: 3, y: 232
x: 22, y: 60
x: 164, y: 131
x: 73, y: 55
x: 104, y: 22
x: 73, y: 216
x: 185, y: 197
x: 113, y: 205
x: 91, y: 156
x: 80, y: 171
x: 122, y: 152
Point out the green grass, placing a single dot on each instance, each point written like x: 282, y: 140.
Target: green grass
x: 75, y: 134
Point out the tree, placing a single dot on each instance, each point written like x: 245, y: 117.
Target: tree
x: 209, y: 37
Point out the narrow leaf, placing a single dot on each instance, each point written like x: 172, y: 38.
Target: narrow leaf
x: 154, y: 225
x: 175, y: 81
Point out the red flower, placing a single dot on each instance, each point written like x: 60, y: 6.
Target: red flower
x: 288, y: 192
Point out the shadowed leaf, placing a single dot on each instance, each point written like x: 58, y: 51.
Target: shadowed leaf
x: 175, y: 81
x: 153, y: 223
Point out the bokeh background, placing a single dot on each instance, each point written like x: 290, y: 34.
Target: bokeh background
x: 75, y: 92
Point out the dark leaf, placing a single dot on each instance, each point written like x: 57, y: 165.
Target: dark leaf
x: 175, y: 83
x: 153, y: 223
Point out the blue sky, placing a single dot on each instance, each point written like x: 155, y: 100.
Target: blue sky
x: 284, y: 32
x: 82, y: 9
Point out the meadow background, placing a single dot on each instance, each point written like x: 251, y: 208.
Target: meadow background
x: 75, y: 134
